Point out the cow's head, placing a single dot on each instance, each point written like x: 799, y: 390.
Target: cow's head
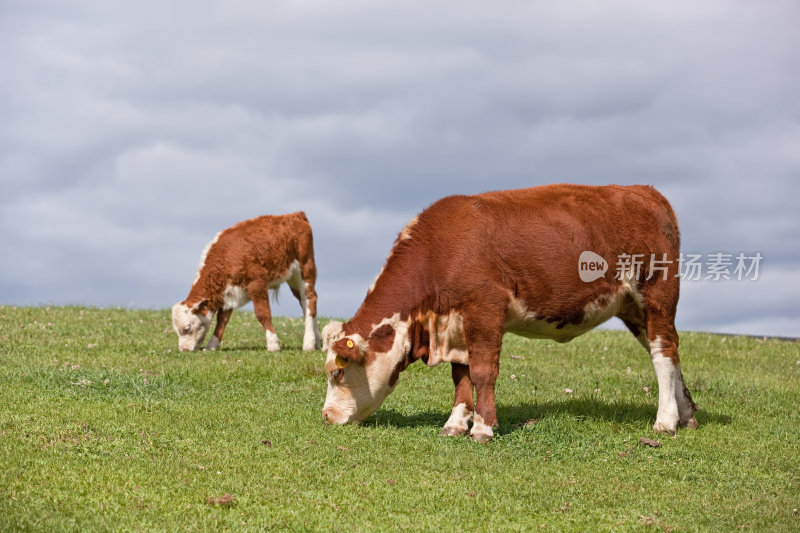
x: 362, y: 372
x: 191, y: 324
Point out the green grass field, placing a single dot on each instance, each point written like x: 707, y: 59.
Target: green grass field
x: 104, y: 425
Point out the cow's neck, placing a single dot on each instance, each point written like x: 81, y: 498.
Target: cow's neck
x: 397, y: 290
x: 202, y: 288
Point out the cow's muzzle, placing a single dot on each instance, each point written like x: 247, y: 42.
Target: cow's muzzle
x: 331, y: 415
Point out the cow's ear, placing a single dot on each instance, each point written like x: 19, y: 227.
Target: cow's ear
x: 200, y: 307
x: 331, y: 330
x: 348, y: 349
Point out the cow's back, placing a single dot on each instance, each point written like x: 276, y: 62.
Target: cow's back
x: 546, y: 223
x: 528, y: 242
x: 261, y: 247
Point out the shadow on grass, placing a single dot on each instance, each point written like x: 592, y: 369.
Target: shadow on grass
x: 390, y: 417
x: 260, y: 347
x: 513, y: 417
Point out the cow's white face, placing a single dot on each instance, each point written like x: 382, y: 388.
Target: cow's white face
x: 362, y: 372
x: 191, y: 324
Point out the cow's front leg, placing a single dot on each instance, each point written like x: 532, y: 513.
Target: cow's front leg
x: 223, y: 315
x: 484, y: 366
x: 463, y: 407
x: 484, y: 336
x: 260, y: 297
x: 485, y: 417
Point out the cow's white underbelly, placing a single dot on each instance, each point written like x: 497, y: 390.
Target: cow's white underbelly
x: 446, y: 332
x: 234, y: 297
x: 292, y: 273
x: 523, y: 321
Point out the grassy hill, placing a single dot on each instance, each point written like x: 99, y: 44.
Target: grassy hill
x: 104, y: 425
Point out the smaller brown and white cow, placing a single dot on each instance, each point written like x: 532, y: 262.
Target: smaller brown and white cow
x: 243, y: 263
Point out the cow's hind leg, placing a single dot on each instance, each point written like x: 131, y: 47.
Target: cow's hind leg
x: 302, y: 285
x: 260, y: 296
x: 223, y: 315
x: 675, y: 403
x: 686, y: 406
x: 463, y: 407
x: 312, y: 340
x: 658, y: 336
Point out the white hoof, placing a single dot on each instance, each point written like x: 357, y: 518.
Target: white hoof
x: 310, y: 344
x: 272, y: 342
x: 311, y: 338
x: 661, y: 427
x: 458, y: 423
x: 480, y: 432
x: 213, y: 343
x: 453, y: 431
x: 482, y: 437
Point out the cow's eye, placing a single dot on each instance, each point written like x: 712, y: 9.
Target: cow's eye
x: 338, y: 374
x: 187, y: 328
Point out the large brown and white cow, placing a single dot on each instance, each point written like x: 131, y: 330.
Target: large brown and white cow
x: 538, y: 262
x: 243, y: 263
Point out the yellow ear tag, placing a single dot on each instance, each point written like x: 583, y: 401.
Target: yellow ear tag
x: 350, y: 343
x: 340, y: 361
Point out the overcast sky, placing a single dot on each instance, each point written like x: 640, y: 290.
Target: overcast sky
x: 131, y: 132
